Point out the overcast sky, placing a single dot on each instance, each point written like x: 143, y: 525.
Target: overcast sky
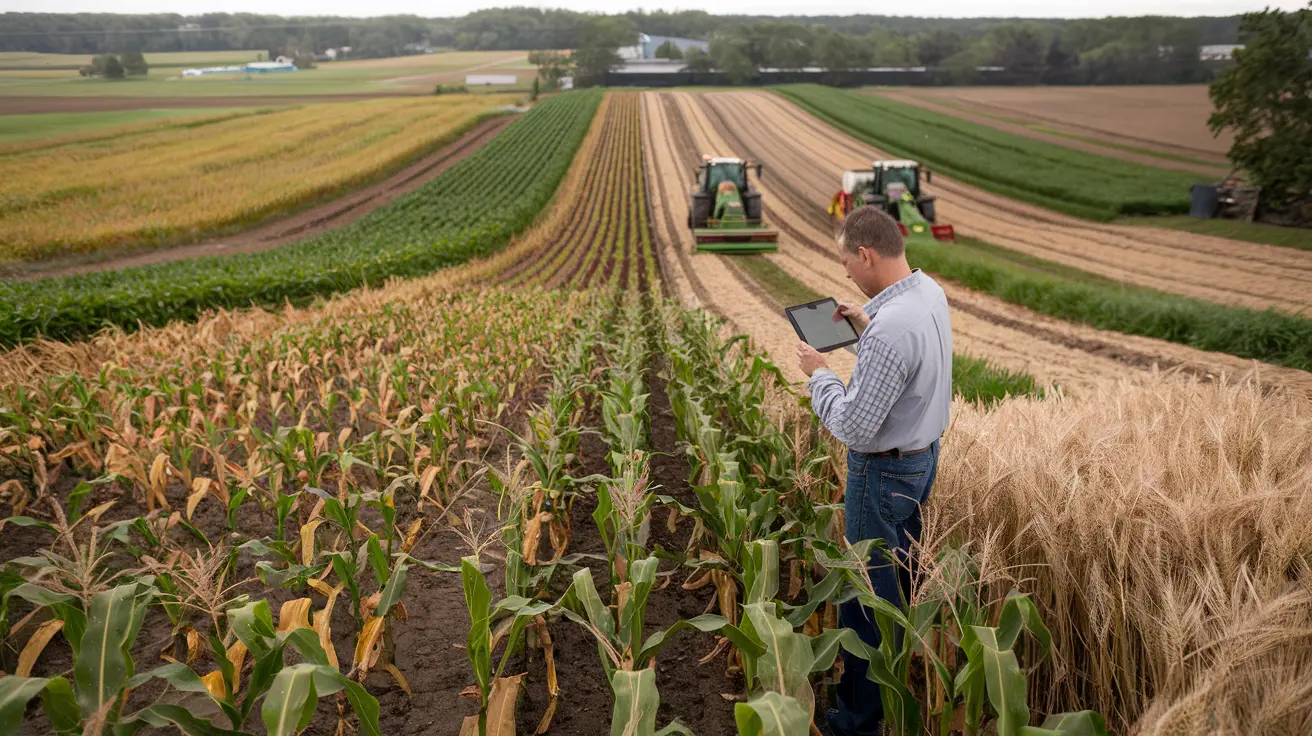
x: 428, y: 8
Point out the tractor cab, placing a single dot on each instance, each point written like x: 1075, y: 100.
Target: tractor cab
x: 715, y: 171
x: 895, y: 187
x: 724, y: 210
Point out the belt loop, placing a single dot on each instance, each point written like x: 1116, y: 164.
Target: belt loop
x: 897, y: 454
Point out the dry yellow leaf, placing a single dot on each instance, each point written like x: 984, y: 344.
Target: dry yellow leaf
x: 294, y: 614
x: 37, y: 644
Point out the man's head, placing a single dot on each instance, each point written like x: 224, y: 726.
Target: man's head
x: 870, y: 245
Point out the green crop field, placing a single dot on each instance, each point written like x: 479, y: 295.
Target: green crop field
x: 19, y: 128
x: 404, y: 74
x: 1053, y: 176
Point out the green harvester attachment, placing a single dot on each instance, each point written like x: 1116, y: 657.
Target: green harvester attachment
x: 724, y: 211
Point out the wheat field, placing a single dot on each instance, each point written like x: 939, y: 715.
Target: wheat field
x: 1164, y: 531
x: 164, y: 183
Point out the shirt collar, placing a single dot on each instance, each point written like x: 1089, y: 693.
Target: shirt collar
x: 887, y: 295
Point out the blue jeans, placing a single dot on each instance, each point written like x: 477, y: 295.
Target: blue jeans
x: 883, y: 502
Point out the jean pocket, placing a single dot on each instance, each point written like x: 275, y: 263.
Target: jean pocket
x: 900, y: 494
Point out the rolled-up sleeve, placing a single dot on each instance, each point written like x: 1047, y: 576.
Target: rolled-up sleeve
x: 855, y: 413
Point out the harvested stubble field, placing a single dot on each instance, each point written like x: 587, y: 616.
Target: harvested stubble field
x: 444, y: 496
x: 1171, y: 119
x: 189, y: 178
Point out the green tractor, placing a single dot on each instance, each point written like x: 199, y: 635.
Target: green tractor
x: 893, y: 186
x: 724, y: 211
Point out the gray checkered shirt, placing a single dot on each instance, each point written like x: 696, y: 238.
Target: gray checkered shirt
x: 901, y: 388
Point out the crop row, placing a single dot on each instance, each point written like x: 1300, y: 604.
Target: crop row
x: 201, y: 176
x: 606, y: 240
x: 1064, y: 179
x: 470, y: 210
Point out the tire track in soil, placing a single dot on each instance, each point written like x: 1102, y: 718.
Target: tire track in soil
x: 1010, y: 335
x: 1216, y: 269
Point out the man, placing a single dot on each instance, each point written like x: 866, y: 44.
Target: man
x: 890, y: 416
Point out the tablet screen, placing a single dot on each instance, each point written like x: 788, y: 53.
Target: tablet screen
x: 814, y: 323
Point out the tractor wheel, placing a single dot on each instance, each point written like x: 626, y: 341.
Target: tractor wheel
x: 927, y: 210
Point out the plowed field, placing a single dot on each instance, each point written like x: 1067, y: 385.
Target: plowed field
x: 803, y: 162
x: 1216, y: 269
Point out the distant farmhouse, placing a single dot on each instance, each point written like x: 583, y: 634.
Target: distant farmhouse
x: 1219, y: 51
x: 647, y: 45
x: 641, y: 58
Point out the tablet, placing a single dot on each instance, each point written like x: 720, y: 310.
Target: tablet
x: 815, y: 324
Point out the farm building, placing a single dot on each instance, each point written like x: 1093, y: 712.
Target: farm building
x: 487, y: 80
x: 647, y: 45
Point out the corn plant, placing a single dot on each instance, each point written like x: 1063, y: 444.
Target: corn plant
x: 623, y: 514
x: 103, y: 673
x: 626, y: 655
x: 493, y: 688
x: 992, y: 667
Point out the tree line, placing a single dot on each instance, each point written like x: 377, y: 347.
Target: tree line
x: 1099, y: 51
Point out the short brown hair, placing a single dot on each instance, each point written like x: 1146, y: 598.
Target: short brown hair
x: 870, y: 227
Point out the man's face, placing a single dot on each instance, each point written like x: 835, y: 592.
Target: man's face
x: 859, y: 267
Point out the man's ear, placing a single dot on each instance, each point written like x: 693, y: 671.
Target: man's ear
x: 868, y: 256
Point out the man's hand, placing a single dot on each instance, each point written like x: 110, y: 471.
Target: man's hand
x: 809, y: 359
x: 855, y: 313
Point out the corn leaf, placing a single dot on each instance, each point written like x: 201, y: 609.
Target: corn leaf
x: 163, y: 715
x: 104, y: 665
x: 771, y: 714
x: 1081, y: 723
x: 291, y: 700
x: 478, y: 600
x: 761, y: 571
x: 394, y: 589
x: 15, y: 692
x: 785, y: 666
x: 636, y: 702
x: 1004, y: 680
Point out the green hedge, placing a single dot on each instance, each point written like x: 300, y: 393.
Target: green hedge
x: 1053, y: 176
x: 470, y: 210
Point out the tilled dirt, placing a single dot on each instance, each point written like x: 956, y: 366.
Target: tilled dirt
x: 796, y: 189
x: 307, y: 223
x: 1216, y: 269
x: 956, y: 108
x: 1171, y: 118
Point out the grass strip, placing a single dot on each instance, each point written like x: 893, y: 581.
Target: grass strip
x: 1250, y: 232
x: 1050, y: 175
x: 470, y: 210
x: 974, y: 379
x: 1048, y: 288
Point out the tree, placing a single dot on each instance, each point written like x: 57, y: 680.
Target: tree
x: 697, y: 60
x: 134, y: 64
x: 731, y: 58
x: 933, y: 47
x: 598, y: 52
x: 1060, y: 65
x: 536, y: 90
x: 1019, y: 49
x: 1265, y: 97
x: 838, y: 51
x: 669, y: 50
x: 789, y: 46
x: 552, y: 66
x: 113, y: 67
